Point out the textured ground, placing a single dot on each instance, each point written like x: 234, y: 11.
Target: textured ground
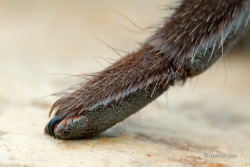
x: 42, y: 43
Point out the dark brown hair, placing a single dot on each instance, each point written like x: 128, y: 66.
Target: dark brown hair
x: 191, y: 40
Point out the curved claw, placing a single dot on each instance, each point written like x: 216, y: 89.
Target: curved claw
x: 53, y: 122
x: 75, y: 127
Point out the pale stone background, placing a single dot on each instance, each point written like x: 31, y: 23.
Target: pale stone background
x: 42, y: 43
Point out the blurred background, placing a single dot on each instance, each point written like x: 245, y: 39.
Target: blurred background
x: 44, y: 43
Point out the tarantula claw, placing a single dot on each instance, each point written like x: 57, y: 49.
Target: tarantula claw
x: 49, y: 129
